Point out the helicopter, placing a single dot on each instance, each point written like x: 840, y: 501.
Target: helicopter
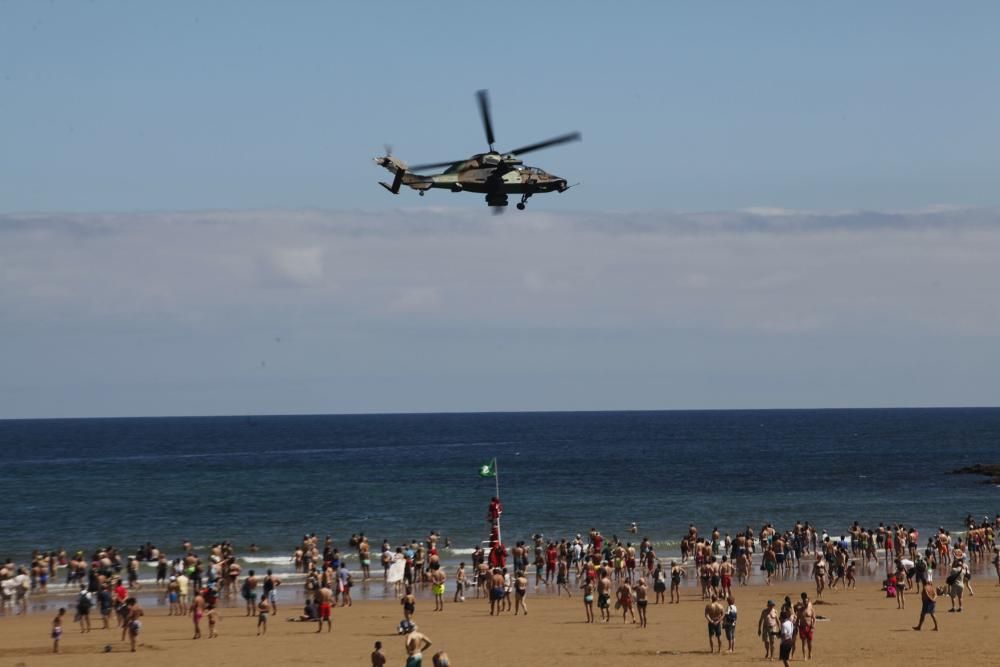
x: 493, y: 173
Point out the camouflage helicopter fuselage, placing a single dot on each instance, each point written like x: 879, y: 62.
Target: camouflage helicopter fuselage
x: 491, y: 174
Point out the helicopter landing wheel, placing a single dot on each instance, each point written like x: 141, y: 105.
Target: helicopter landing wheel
x: 520, y: 206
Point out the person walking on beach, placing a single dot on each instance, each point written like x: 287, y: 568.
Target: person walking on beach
x: 520, y: 591
x: 270, y: 589
x: 956, y: 583
x: 928, y: 598
x: 787, y: 637
x: 84, y: 602
x: 714, y: 614
x: 819, y: 574
x: 57, y: 629
x: 767, y: 628
x: 624, y: 602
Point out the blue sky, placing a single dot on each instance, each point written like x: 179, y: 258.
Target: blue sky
x: 690, y: 106
x: 783, y: 204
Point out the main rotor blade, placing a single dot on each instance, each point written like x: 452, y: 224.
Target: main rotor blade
x: 484, y: 112
x: 435, y: 165
x: 555, y: 141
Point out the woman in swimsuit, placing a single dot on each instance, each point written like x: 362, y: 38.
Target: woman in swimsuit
x: 641, y: 601
x: 520, y: 590
x: 588, y: 599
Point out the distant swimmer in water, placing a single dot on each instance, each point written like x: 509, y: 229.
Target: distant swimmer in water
x: 633, y: 528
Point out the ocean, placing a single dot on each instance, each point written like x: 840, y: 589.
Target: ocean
x: 267, y: 480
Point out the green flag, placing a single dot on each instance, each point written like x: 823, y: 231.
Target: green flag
x: 488, y: 469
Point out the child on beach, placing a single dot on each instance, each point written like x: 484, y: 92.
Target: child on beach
x: 263, y: 607
x: 212, y: 614
x: 378, y: 657
x: 57, y: 629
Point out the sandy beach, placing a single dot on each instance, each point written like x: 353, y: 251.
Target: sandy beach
x: 862, y: 627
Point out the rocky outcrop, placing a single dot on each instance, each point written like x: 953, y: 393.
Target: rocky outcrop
x: 990, y: 470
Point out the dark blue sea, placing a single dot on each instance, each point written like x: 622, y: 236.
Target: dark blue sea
x: 82, y: 483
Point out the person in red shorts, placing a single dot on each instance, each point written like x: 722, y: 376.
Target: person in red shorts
x: 805, y: 620
x: 325, y: 608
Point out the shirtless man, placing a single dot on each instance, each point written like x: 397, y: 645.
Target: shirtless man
x: 928, y: 597
x: 438, y: 577
x: 725, y: 578
x: 640, y: 600
x: 325, y: 609
x: 496, y: 592
x: 714, y: 613
x: 365, y: 556
x: 624, y: 595
x: 805, y: 620
x: 249, y: 592
x: 416, y: 643
x: 743, y: 566
x: 270, y: 588
x: 604, y: 595
x: 767, y: 628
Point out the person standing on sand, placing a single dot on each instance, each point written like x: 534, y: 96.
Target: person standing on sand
x: 588, y: 599
x: 676, y: 572
x: 714, y: 614
x: 729, y: 623
x: 57, y: 629
x: 132, y: 623
x: 262, y: 608
x: 767, y: 628
x: 249, y: 592
x: 270, y: 588
x: 496, y: 592
x: 819, y: 574
x: 604, y: 596
x: 197, y: 611
x: 438, y: 577
x: 460, y: 583
x: 928, y: 598
x: 640, y: 600
x: 409, y: 604
x: 805, y: 617
x: 378, y: 657
x: 416, y: 643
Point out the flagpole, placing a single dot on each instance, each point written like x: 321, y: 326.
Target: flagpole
x: 496, y: 478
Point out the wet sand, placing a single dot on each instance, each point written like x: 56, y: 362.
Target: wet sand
x: 863, y: 628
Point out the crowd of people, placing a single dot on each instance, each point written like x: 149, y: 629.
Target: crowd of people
x: 619, y: 574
